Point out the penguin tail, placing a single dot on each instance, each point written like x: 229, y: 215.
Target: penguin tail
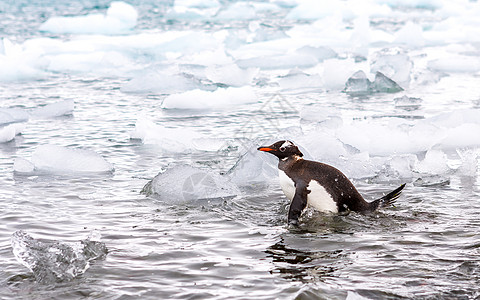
x: 388, y: 199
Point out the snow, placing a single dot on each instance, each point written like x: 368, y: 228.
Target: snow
x: 119, y: 18
x: 54, y: 159
x: 222, y: 98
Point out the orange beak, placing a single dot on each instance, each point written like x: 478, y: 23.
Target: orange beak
x: 266, y: 149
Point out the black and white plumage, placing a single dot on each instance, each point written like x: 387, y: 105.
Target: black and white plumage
x: 319, y: 185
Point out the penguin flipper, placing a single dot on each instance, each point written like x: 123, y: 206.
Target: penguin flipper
x: 298, y: 204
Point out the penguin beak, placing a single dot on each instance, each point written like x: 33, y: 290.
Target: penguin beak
x: 265, y: 149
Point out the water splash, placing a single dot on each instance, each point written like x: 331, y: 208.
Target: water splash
x: 52, y: 261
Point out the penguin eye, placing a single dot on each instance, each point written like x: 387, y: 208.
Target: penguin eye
x: 282, y: 149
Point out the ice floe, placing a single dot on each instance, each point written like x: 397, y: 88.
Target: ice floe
x: 52, y: 261
x: 119, y: 18
x: 204, y: 100
x: 173, y: 140
x: 51, y: 159
x: 184, y: 184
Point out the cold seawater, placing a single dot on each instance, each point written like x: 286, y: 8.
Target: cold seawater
x: 98, y: 98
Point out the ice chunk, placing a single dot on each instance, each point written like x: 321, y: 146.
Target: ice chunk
x: 237, y: 11
x: 22, y: 165
x: 337, y: 71
x: 173, y: 139
x: 9, y: 132
x: 57, y: 109
x: 13, y: 115
x: 254, y: 167
x: 161, y: 82
x: 408, y: 103
x: 469, y: 162
x: 18, y: 63
x: 394, y: 64
x: 456, y: 64
x: 203, y: 100
x: 231, y: 75
x: 320, y: 53
x: 434, y: 163
x: 300, y: 80
x: 184, y: 183
x: 56, y: 159
x: 273, y: 62
x: 411, y: 34
x: 52, y: 261
x: 383, y: 84
x: 358, y: 83
x: 119, y: 18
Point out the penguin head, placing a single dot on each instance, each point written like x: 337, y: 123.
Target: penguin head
x: 282, y: 149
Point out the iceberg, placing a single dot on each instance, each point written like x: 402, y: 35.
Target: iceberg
x: 119, y: 18
x: 184, y: 183
x: 52, y: 261
x: 63, y: 160
x: 222, y: 98
x: 254, y: 167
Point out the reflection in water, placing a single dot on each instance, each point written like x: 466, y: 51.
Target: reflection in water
x: 305, y: 266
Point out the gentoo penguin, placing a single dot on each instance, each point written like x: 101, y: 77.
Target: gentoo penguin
x: 319, y: 185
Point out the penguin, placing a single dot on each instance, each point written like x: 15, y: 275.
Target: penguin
x: 321, y: 186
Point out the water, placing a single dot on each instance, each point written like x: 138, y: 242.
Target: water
x: 427, y: 246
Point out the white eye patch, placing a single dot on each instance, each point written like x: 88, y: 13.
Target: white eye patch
x: 286, y: 144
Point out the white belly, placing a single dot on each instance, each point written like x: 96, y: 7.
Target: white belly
x: 318, y: 197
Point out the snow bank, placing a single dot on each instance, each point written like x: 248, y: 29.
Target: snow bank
x: 56, y: 159
x: 222, y: 98
x: 184, y: 183
x: 119, y: 18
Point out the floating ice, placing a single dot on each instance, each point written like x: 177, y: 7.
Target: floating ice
x: 254, y: 167
x: 119, y: 18
x: 9, y: 132
x: 18, y: 63
x: 161, y: 82
x: 408, y: 103
x: 203, y: 100
x: 52, y: 261
x: 13, y: 115
x: 53, y: 110
x: 173, y: 139
x: 56, y: 159
x: 393, y: 63
x: 185, y: 183
x: 231, y: 75
x: 300, y: 80
x: 337, y: 71
x: 358, y: 83
x: 383, y: 84
x: 411, y: 35
x: 272, y: 62
x: 237, y: 11
x: 456, y: 64
x: 435, y: 162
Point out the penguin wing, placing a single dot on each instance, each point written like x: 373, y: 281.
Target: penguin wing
x: 298, y: 204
